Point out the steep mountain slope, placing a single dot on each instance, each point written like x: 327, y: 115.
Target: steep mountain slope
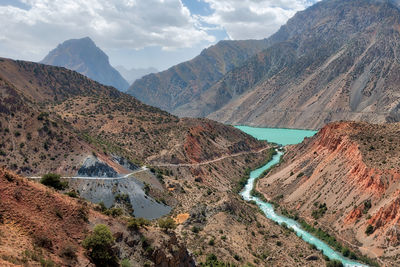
x: 53, y: 119
x: 180, y: 84
x: 83, y: 56
x: 344, y: 179
x: 342, y: 63
x: 336, y: 60
x: 40, y: 227
x: 134, y: 73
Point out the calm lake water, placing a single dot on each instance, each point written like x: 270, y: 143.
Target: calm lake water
x: 285, y: 137
x: 279, y: 136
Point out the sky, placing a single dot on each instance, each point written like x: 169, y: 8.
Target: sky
x: 138, y: 33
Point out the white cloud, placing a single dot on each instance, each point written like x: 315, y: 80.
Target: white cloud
x: 119, y: 23
x: 252, y: 19
x: 30, y: 28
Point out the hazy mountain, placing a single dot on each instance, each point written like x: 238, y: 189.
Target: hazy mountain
x: 134, y: 73
x: 335, y: 60
x: 83, y: 56
x: 339, y: 62
x: 184, y: 82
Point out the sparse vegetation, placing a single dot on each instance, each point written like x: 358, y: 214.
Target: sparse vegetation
x: 167, y: 223
x: 72, y: 194
x: 99, y: 246
x: 369, y: 230
x: 126, y: 263
x: 53, y: 180
x: 68, y: 252
x: 136, y: 223
x: 42, y: 241
x: 320, y: 211
x: 334, y: 263
x: 367, y: 206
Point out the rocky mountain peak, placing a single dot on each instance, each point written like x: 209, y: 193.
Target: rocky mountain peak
x: 83, y: 56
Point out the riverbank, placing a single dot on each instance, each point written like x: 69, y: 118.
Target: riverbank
x: 270, y: 213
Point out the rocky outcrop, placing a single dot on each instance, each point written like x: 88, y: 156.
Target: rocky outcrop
x: 388, y: 215
x: 172, y: 253
x: 93, y: 167
x: 125, y: 163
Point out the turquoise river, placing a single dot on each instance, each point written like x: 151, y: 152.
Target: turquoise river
x: 285, y: 137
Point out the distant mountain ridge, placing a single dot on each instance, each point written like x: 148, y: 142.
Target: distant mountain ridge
x: 342, y: 64
x: 184, y: 82
x: 131, y: 75
x: 83, y: 56
x: 336, y: 60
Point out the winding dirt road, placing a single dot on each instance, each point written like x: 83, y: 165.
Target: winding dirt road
x: 209, y: 161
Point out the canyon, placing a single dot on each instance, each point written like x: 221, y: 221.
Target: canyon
x: 344, y: 180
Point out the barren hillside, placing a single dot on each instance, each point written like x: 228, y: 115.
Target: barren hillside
x: 345, y: 180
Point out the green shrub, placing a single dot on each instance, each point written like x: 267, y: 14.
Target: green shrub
x: 167, y: 223
x: 126, y: 263
x: 334, y: 263
x: 345, y: 251
x: 320, y: 211
x: 72, y: 194
x: 195, y: 229
x: 136, y: 223
x: 47, y: 263
x: 367, y: 206
x: 369, y: 230
x: 99, y: 246
x: 115, y: 212
x: 53, y: 180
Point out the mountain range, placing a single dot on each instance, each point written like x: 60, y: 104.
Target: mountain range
x: 337, y: 60
x: 176, y: 86
x: 122, y: 155
x: 83, y: 56
x: 57, y: 120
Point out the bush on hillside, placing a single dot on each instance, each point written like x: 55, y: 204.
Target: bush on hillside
x: 369, y: 230
x: 136, y: 223
x: 167, y: 223
x: 99, y: 246
x: 334, y: 263
x: 53, y: 180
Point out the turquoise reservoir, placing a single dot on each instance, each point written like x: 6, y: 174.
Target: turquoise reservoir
x: 279, y: 136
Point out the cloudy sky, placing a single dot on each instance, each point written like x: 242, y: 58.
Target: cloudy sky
x: 138, y: 33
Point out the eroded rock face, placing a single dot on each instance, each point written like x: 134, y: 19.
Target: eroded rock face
x: 336, y: 60
x: 93, y: 167
x: 172, y: 254
x: 125, y: 163
x: 353, y: 169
